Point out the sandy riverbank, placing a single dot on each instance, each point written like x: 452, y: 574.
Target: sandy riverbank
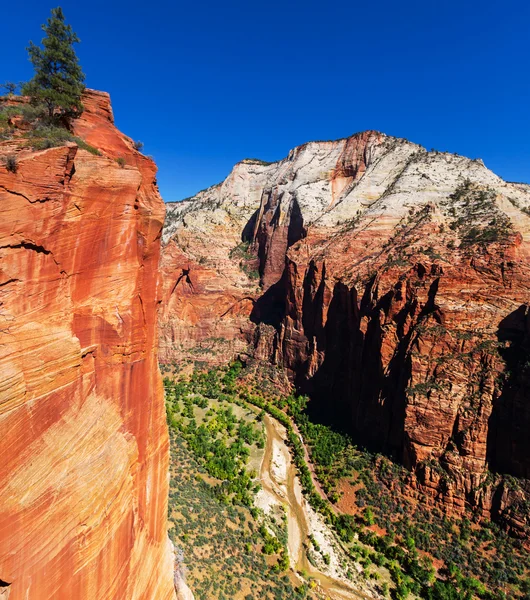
x: 341, y: 579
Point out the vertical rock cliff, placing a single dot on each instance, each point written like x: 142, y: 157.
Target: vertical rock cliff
x: 84, y: 445
x: 395, y: 291
x: 209, y: 276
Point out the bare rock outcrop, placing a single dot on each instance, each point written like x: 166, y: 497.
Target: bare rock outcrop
x: 84, y: 445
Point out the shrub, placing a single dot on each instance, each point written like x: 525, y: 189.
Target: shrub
x: 121, y: 161
x: 32, y: 112
x: 51, y: 136
x: 11, y: 163
x: 138, y: 145
x: 31, y: 115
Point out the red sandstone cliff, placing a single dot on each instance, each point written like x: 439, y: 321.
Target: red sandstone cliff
x: 209, y: 279
x: 84, y: 446
x: 395, y: 290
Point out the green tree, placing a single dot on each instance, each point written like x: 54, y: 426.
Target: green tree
x: 58, y: 81
x: 10, y: 87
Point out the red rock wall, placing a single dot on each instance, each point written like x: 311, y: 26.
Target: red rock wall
x: 426, y: 362
x: 203, y: 316
x: 84, y: 446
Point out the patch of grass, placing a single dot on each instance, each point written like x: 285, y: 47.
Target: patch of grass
x: 52, y: 136
x: 29, y: 113
x: 240, y: 251
x: 43, y: 133
x: 31, y: 116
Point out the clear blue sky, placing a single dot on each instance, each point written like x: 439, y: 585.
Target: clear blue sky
x: 205, y: 84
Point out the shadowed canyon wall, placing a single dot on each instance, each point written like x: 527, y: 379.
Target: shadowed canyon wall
x: 394, y: 288
x: 84, y: 445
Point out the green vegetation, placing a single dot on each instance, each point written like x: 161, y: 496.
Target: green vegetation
x: 50, y: 136
x: 54, y: 92
x: 256, y: 161
x: 408, y: 535
x: 431, y: 253
x: 58, y: 80
x: 10, y: 87
x: 479, y: 220
x: 38, y: 131
x: 236, y: 551
x: 404, y: 241
x: 221, y: 543
x: 398, y: 261
x: 247, y: 262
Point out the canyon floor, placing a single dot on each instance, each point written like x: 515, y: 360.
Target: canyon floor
x: 276, y: 541
x: 216, y: 539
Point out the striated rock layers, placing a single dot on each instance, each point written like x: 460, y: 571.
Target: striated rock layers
x: 395, y: 289
x: 84, y: 446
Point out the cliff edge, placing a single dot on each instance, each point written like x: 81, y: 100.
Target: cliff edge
x: 84, y: 445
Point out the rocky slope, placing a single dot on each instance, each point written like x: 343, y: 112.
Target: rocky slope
x: 83, y: 494
x: 394, y: 288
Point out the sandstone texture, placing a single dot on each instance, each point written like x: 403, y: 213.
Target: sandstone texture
x: 395, y: 290
x: 84, y: 445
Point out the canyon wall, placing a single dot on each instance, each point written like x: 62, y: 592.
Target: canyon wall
x: 394, y: 288
x: 84, y: 445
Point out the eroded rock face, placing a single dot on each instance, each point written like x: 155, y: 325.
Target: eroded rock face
x: 84, y: 446
x: 209, y: 278
x: 395, y: 290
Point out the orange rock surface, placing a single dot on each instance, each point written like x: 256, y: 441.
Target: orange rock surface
x: 84, y: 445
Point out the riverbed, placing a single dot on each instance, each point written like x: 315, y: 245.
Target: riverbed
x: 281, y: 488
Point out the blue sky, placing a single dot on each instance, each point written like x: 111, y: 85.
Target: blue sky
x: 205, y: 84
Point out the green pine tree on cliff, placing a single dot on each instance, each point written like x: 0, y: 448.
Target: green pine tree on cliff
x: 58, y: 81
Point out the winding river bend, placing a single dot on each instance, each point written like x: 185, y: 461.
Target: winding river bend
x: 280, y: 482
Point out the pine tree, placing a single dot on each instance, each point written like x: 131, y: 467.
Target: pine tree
x: 58, y: 81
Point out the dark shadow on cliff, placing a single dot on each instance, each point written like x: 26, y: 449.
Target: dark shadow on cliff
x: 361, y: 385
x: 351, y: 391
x: 269, y: 308
x: 271, y: 305
x: 508, y: 443
x: 248, y: 231
x: 296, y: 230
x: 331, y: 385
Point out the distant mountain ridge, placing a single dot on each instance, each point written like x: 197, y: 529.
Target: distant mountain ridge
x: 393, y: 285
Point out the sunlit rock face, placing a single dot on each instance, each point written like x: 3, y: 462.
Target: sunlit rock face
x: 394, y: 289
x: 84, y: 446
